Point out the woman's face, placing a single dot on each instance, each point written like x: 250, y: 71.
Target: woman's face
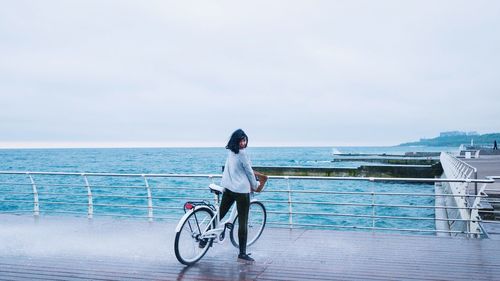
x: 243, y: 143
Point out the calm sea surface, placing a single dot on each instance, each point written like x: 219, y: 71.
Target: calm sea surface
x: 68, y: 195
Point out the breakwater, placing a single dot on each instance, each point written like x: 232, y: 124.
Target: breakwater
x: 392, y: 171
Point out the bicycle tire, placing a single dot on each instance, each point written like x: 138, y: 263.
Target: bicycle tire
x: 188, y: 246
x: 257, y: 217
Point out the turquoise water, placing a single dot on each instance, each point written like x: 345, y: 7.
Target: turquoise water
x: 70, y: 195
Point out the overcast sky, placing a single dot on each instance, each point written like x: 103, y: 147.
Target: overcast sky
x: 188, y: 73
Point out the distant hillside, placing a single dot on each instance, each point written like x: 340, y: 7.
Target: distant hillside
x: 479, y: 140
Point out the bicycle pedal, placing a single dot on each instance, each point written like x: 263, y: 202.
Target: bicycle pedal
x: 229, y: 225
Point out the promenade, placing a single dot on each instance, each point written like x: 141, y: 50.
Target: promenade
x: 109, y: 249
x: 489, y: 165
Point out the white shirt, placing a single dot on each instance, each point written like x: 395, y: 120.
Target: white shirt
x: 238, y: 175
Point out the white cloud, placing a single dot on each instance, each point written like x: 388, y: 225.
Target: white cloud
x: 318, y: 72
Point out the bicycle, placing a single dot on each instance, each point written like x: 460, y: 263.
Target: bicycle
x: 201, y: 226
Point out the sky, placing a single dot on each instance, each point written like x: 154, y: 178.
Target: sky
x: 118, y: 73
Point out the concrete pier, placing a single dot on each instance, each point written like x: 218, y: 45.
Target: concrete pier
x: 394, y: 171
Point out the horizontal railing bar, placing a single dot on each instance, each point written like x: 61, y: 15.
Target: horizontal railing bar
x: 21, y: 193
x: 17, y: 211
x: 63, y: 212
x: 120, y: 206
x: 98, y: 204
x: 144, y: 187
x: 364, y: 205
x: 375, y: 193
x: 119, y: 186
x: 169, y: 208
x: 42, y: 185
x: 43, y: 202
x: 137, y: 216
x: 61, y: 194
x: 112, y: 174
x: 119, y: 196
x: 367, y: 216
x: 82, y: 195
x: 93, y: 195
x: 371, y: 228
x: 489, y: 212
x: 293, y: 191
x: 306, y: 191
x: 179, y: 188
x: 269, y: 201
x: 183, y: 198
x: 100, y: 214
x: 490, y: 221
x: 209, y: 176
x: 16, y: 201
x: 14, y: 183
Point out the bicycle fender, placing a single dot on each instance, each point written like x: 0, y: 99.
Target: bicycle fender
x: 185, y: 216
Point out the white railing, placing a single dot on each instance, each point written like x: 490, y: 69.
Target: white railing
x: 161, y: 196
x: 491, y: 214
x: 455, y: 168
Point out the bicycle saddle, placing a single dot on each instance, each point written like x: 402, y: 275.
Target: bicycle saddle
x: 216, y: 188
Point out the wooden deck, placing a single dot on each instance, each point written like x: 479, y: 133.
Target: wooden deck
x: 117, y: 250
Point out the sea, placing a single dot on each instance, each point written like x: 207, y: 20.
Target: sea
x: 343, y: 205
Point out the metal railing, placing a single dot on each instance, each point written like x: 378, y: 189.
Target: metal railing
x: 292, y: 201
x: 492, y: 213
x: 456, y: 168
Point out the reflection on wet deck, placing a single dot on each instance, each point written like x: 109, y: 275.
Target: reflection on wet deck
x: 119, y: 250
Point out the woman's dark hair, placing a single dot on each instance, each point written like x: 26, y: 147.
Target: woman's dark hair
x: 234, y: 142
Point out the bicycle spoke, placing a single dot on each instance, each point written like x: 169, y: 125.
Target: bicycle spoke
x: 256, y: 223
x: 189, y: 247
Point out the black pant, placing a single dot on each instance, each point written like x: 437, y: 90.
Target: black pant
x: 243, y: 206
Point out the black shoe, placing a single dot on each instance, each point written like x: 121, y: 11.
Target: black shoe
x: 244, y: 258
x: 203, y: 243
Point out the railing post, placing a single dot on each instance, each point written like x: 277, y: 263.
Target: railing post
x: 290, y: 209
x: 373, y: 206
x: 150, y: 199
x: 474, y: 213
x: 36, y: 205
x: 90, y: 208
x: 216, y: 196
x: 475, y: 177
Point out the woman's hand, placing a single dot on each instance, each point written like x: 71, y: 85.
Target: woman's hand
x: 262, y: 181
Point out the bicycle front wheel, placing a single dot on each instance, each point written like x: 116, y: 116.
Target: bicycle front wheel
x: 189, y: 247
x: 256, y: 222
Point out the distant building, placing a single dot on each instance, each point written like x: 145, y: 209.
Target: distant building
x: 452, y: 134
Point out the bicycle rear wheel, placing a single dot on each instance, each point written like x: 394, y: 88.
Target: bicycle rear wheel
x: 256, y: 222
x: 189, y: 247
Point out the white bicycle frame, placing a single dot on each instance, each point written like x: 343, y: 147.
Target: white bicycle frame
x: 220, y: 226
x: 212, y: 233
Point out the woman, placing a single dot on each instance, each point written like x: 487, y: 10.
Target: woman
x: 238, y: 179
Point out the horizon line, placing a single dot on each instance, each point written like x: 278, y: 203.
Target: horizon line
x: 76, y: 145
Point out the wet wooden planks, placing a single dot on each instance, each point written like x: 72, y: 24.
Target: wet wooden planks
x: 284, y: 254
